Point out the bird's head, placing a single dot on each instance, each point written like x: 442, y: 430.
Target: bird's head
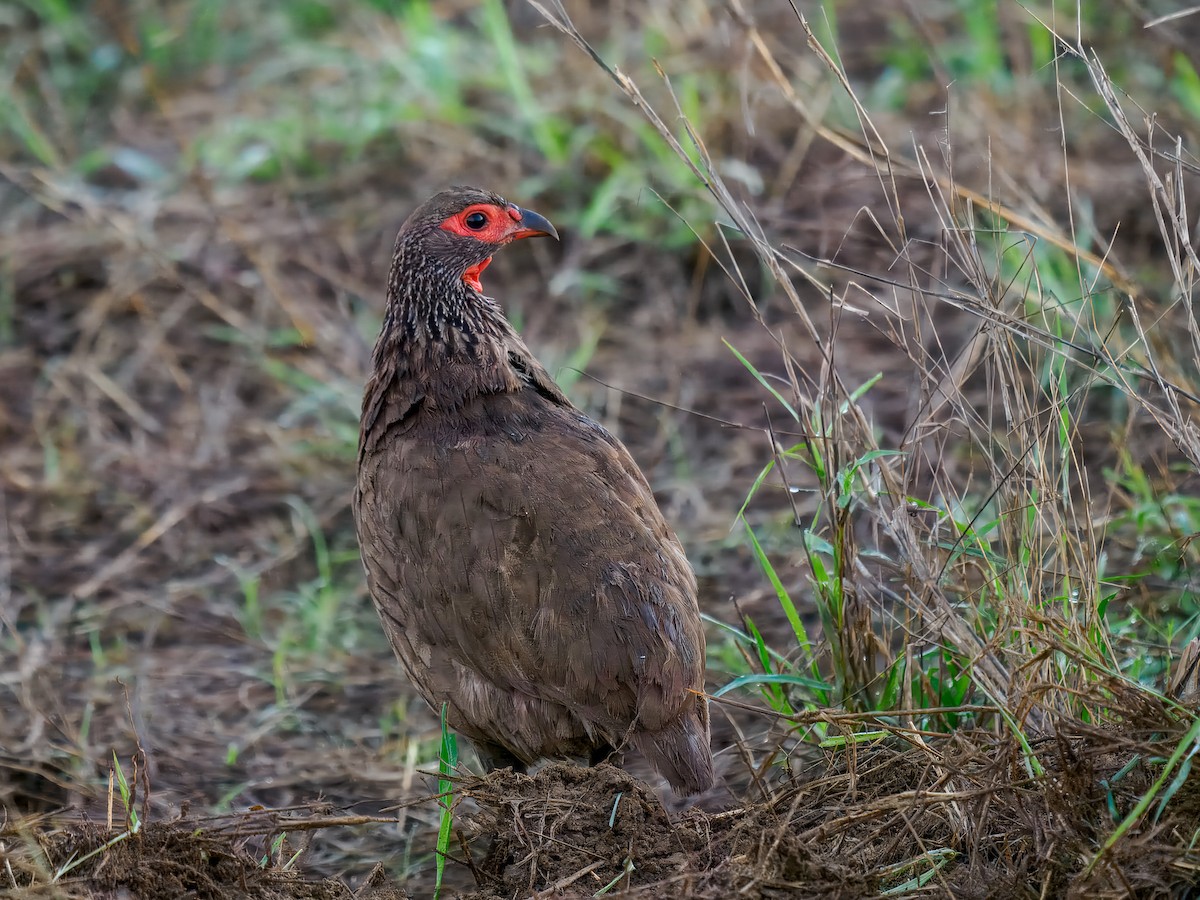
x: 458, y: 230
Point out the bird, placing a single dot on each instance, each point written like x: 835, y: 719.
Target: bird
x: 522, y: 570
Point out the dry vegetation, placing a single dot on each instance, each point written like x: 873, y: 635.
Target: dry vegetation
x: 896, y: 308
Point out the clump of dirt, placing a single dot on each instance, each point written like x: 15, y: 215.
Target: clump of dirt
x: 568, y: 832
x: 164, y: 861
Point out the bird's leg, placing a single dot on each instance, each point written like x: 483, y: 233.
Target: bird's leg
x: 493, y: 757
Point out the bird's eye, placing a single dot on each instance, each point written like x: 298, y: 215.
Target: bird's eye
x: 475, y: 221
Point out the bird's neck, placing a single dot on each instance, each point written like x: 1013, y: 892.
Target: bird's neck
x: 449, y: 342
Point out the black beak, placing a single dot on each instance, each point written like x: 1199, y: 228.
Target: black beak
x: 533, y: 225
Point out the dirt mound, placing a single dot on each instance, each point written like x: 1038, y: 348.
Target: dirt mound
x: 571, y: 832
x: 168, y: 861
x: 962, y: 816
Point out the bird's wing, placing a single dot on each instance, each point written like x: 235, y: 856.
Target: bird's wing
x: 389, y: 407
x: 533, y: 374
x: 530, y: 549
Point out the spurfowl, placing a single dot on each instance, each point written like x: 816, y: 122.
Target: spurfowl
x: 520, y: 565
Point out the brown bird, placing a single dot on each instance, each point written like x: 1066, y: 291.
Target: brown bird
x: 523, y: 572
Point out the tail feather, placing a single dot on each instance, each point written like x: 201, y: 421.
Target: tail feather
x: 681, y: 752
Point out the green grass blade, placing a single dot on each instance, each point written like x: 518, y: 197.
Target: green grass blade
x: 761, y: 379
x: 785, y: 600
x: 447, y: 760
x: 1186, y: 747
x: 744, y: 680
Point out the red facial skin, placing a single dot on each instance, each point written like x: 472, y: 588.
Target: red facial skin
x: 503, y: 226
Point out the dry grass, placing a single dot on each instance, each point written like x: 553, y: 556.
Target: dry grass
x: 966, y: 417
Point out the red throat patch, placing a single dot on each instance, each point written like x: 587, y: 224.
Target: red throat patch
x: 471, y: 276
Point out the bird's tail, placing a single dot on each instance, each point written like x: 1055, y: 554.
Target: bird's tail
x: 681, y: 751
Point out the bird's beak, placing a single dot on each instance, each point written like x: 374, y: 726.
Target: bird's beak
x: 532, y: 225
